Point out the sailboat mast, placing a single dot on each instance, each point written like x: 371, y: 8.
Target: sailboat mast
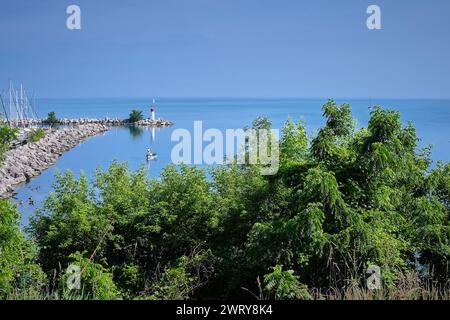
x: 22, y: 104
x: 28, y: 116
x: 17, y: 107
x: 4, y: 108
x: 20, y: 109
x: 10, y: 103
x: 33, y: 106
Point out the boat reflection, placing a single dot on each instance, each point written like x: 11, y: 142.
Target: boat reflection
x: 150, y: 154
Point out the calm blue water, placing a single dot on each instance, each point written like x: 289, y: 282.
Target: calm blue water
x: 430, y: 117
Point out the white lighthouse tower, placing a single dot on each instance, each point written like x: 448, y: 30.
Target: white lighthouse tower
x: 153, y: 110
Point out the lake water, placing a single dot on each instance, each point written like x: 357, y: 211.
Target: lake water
x: 430, y: 117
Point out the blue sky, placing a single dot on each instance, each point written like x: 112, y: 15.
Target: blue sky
x: 227, y: 48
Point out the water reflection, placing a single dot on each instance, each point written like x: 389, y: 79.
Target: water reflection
x: 151, y: 155
x: 136, y: 131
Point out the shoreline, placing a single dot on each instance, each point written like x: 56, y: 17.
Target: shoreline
x: 104, y: 121
x: 27, y: 161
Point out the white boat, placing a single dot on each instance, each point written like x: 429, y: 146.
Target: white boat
x: 150, y: 155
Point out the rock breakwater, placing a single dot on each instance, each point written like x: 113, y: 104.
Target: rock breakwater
x: 25, y: 162
x: 104, y: 121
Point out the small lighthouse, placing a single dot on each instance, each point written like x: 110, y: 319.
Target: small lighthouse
x: 152, y: 110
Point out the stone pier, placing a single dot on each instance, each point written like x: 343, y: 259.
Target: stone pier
x: 24, y: 162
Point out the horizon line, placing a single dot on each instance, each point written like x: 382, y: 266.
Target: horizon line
x: 246, y: 97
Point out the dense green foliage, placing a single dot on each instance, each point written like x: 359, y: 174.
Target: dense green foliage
x: 135, y: 116
x: 7, y: 135
x: 36, y: 134
x: 342, y: 200
x: 18, y: 268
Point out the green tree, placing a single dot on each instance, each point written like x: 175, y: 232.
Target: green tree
x: 52, y: 119
x: 135, y: 116
x: 293, y: 143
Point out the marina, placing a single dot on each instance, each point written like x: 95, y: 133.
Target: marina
x: 19, y: 111
x: 26, y: 159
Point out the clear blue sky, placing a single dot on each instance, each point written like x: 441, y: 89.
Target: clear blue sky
x: 227, y: 48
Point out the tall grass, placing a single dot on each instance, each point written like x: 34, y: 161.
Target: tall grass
x: 408, y: 287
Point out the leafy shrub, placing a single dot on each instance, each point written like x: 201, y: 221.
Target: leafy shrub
x: 181, y: 281
x: 95, y: 281
x: 8, y: 134
x: 36, y: 134
x: 19, y: 272
x: 284, y: 285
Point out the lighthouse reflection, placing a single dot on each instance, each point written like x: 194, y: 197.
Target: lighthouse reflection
x: 152, y: 133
